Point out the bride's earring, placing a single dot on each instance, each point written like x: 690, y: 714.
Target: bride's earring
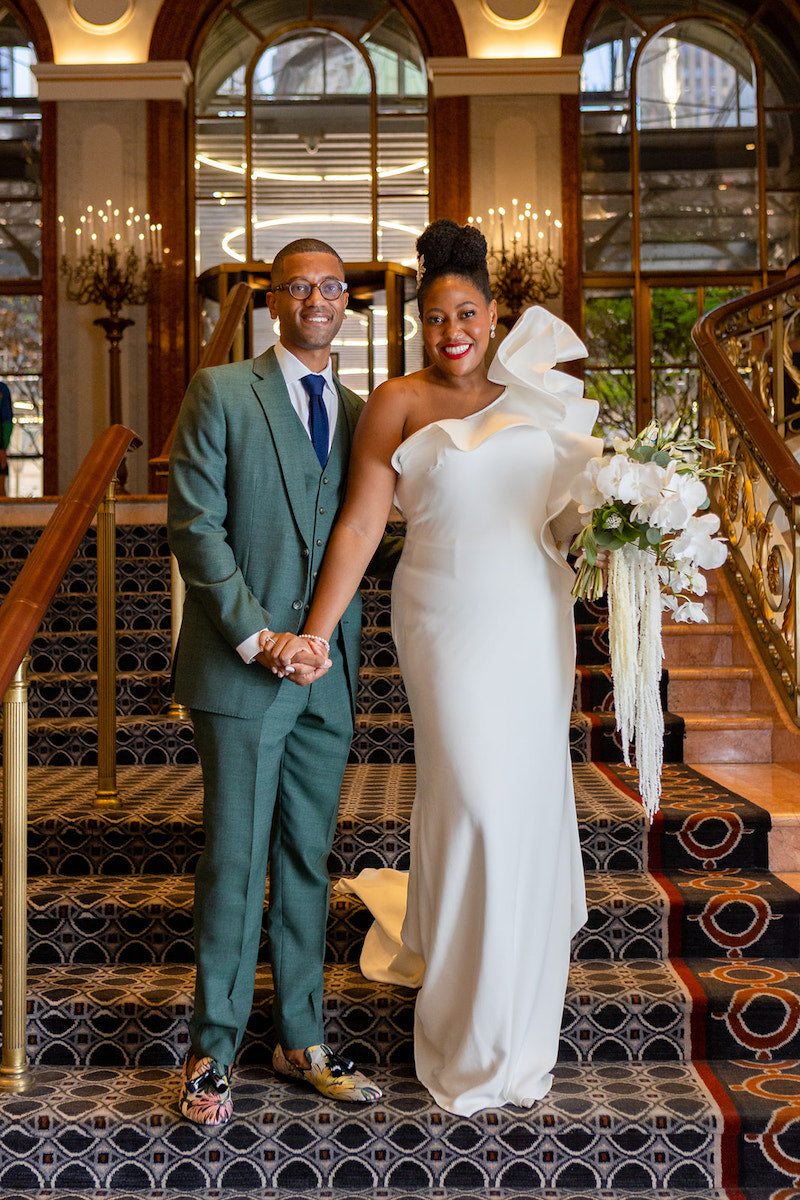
x: 491, y: 332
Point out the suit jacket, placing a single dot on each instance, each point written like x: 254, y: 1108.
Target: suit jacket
x: 242, y: 509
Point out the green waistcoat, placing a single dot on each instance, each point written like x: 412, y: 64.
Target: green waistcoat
x: 249, y: 515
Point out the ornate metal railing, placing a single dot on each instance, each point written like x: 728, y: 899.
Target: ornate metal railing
x: 750, y: 409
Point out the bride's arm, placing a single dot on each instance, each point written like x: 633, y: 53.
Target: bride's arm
x: 362, y: 521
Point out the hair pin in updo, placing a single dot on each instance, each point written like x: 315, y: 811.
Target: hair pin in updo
x: 420, y: 269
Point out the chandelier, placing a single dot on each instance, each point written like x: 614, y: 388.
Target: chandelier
x: 524, y: 257
x: 112, y: 262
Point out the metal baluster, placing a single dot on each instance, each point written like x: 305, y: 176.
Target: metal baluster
x: 15, y: 1074
x: 107, y: 794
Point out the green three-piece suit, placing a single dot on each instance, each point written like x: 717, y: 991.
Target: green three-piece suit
x: 250, y: 512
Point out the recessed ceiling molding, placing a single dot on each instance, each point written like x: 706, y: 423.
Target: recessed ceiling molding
x: 113, y: 81
x: 505, y: 76
x: 499, y: 12
x: 101, y: 17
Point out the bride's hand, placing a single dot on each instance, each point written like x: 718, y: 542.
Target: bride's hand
x: 291, y: 657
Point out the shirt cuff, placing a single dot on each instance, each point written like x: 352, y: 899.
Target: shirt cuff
x: 249, y: 649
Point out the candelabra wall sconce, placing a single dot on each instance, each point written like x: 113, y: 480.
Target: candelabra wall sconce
x: 524, y: 259
x: 114, y: 257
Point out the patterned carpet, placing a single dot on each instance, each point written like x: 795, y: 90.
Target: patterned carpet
x: 679, y: 1064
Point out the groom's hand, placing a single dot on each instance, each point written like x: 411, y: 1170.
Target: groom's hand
x: 290, y: 657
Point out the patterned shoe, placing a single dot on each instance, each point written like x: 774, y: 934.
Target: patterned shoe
x: 206, y: 1095
x: 332, y: 1075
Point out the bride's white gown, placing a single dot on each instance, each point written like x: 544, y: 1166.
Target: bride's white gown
x: 482, y: 620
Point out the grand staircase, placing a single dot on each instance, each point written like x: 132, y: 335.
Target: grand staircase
x: 679, y: 1069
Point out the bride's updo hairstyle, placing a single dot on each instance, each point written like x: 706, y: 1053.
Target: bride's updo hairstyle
x: 445, y: 248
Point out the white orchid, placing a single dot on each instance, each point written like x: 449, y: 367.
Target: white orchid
x: 698, y: 544
x: 689, y: 611
x: 585, y: 489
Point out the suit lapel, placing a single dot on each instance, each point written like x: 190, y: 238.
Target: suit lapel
x: 350, y: 405
x: 287, y: 434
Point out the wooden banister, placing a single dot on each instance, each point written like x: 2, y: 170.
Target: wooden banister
x: 216, y: 352
x: 26, y: 603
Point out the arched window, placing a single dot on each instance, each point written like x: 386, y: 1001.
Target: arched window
x: 314, y: 124
x: 690, y: 133
x: 310, y: 117
x: 20, y: 256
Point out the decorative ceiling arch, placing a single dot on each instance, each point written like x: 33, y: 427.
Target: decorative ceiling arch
x: 30, y: 17
x: 179, y: 28
x: 782, y: 16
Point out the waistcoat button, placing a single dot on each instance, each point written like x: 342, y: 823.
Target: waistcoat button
x: 322, y: 512
x: 304, y: 552
x: 296, y: 604
x: 319, y: 541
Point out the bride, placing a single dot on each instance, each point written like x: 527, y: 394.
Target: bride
x: 480, y: 464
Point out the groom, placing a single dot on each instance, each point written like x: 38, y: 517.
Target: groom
x: 257, y: 475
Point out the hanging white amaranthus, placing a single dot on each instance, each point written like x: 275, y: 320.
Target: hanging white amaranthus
x: 645, y: 507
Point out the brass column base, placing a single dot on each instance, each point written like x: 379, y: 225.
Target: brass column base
x: 106, y: 799
x: 178, y: 712
x: 16, y: 1079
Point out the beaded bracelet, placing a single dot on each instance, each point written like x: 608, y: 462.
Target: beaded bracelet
x: 314, y: 637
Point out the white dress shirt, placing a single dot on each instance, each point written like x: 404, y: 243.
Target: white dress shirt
x: 293, y: 371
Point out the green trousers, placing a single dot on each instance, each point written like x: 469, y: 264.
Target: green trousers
x: 271, y: 796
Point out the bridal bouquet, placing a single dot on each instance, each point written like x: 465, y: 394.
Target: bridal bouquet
x: 646, y: 505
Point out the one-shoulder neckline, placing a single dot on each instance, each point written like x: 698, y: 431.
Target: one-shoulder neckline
x: 440, y: 420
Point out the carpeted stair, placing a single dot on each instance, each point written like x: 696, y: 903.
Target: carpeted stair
x: 679, y: 1069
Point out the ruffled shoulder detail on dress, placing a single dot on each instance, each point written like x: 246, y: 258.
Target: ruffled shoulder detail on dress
x: 536, y: 394
x: 552, y: 400
x: 526, y: 360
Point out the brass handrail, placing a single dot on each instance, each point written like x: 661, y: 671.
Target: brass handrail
x: 745, y: 349
x: 20, y: 617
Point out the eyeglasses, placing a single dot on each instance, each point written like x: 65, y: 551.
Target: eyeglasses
x: 301, y: 289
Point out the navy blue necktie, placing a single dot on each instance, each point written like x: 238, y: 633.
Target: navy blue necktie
x: 317, y: 415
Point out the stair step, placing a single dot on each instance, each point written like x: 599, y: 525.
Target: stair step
x: 157, y: 828
x: 113, y: 920
x: 716, y: 689
x: 637, y: 1126
x: 56, y: 695
x: 135, y: 1015
x: 147, y: 919
x: 728, y: 737
x: 697, y: 645
x: 390, y: 1193
x: 720, y: 721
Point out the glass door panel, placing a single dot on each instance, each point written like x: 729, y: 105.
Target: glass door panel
x: 610, y: 376
x: 21, y: 371
x: 696, y: 124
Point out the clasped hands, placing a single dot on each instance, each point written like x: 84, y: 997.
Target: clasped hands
x: 290, y: 656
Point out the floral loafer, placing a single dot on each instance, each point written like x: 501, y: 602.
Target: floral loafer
x: 332, y: 1076
x: 206, y: 1094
